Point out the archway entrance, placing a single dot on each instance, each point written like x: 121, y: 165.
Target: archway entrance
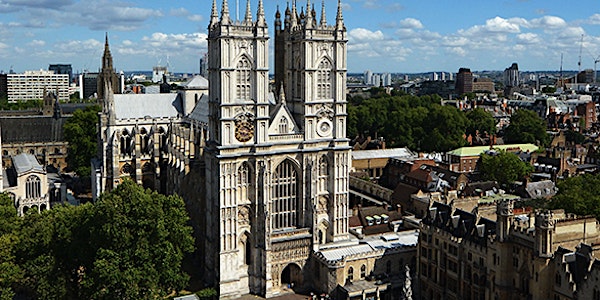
x: 291, y: 276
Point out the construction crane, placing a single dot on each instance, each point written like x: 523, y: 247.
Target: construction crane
x: 596, y: 61
x: 579, y: 62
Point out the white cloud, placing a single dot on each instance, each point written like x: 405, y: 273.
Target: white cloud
x: 548, y: 22
x: 496, y: 25
x: 411, y: 23
x: 362, y: 34
x: 528, y: 38
x: 594, y: 19
x: 195, y: 18
x: 37, y: 43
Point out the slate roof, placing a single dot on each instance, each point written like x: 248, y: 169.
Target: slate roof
x: 384, y: 153
x: 133, y: 106
x: 32, y: 129
x: 26, y: 162
x: 460, y: 223
x: 196, y: 83
x: 200, y: 111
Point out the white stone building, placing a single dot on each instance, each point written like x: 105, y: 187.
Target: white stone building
x: 264, y: 177
x: 31, y: 85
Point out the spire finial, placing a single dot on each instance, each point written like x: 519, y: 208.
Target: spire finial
x: 260, y: 16
x: 248, y: 16
x: 323, y: 15
x: 294, y: 16
x: 214, y: 15
x: 309, y: 16
x: 340, y: 18
x: 282, y: 95
x: 225, y: 20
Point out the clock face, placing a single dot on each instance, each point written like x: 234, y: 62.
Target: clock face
x: 244, y: 131
x: 324, y: 127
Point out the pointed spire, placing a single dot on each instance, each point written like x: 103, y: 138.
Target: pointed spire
x: 281, y: 95
x: 106, y: 57
x: 214, y: 15
x: 309, y: 15
x: 294, y: 15
x: 323, y: 15
x: 248, y: 16
x: 260, y: 16
x: 225, y: 19
x: 340, y: 18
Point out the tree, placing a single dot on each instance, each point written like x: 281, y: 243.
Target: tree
x: 526, y: 127
x: 480, y: 121
x: 140, y: 238
x: 128, y: 245
x: 504, y: 167
x: 10, y: 272
x: 81, y: 134
x: 579, y: 195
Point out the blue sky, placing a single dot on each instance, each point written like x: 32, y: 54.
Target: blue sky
x: 384, y: 35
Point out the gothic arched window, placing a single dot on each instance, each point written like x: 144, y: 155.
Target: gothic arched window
x: 33, y: 187
x: 283, y: 125
x: 324, y: 80
x: 243, y: 79
x: 284, y: 196
x: 323, y: 174
x: 244, y: 181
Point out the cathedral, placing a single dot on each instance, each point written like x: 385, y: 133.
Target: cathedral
x: 263, y: 167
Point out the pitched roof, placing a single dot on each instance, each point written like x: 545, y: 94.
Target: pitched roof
x: 196, y: 83
x: 32, y: 129
x: 384, y: 153
x: 26, y: 162
x: 133, y: 106
x: 476, y: 151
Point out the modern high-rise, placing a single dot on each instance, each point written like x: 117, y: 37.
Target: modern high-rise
x: 464, y: 81
x: 62, y: 69
x: 31, y: 85
x: 511, y: 76
x: 368, y: 77
x: 88, y: 85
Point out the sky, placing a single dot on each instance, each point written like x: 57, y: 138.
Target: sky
x: 399, y: 36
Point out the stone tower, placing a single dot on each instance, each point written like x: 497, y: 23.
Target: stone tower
x: 107, y: 73
x: 504, y: 218
x: 277, y: 172
x: 544, y: 227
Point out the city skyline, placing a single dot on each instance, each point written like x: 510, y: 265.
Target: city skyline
x: 405, y: 38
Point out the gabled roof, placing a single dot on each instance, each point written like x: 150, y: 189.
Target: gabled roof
x: 32, y: 129
x: 134, y: 106
x: 25, y: 162
x: 196, y: 83
x: 200, y: 111
x: 384, y: 153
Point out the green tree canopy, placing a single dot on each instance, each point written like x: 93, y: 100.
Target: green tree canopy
x: 419, y: 123
x: 504, y: 167
x: 10, y: 272
x: 526, y: 127
x: 480, y: 121
x: 81, y: 134
x: 579, y: 195
x: 128, y: 245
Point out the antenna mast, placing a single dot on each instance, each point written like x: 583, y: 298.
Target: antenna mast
x: 579, y: 62
x: 562, y: 82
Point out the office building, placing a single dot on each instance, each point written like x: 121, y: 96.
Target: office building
x: 62, y: 69
x: 31, y: 85
x: 464, y: 81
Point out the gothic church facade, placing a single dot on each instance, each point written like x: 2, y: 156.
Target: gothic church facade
x: 264, y: 177
x: 277, y: 172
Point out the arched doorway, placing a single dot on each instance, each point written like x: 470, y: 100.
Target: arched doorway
x: 291, y: 276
